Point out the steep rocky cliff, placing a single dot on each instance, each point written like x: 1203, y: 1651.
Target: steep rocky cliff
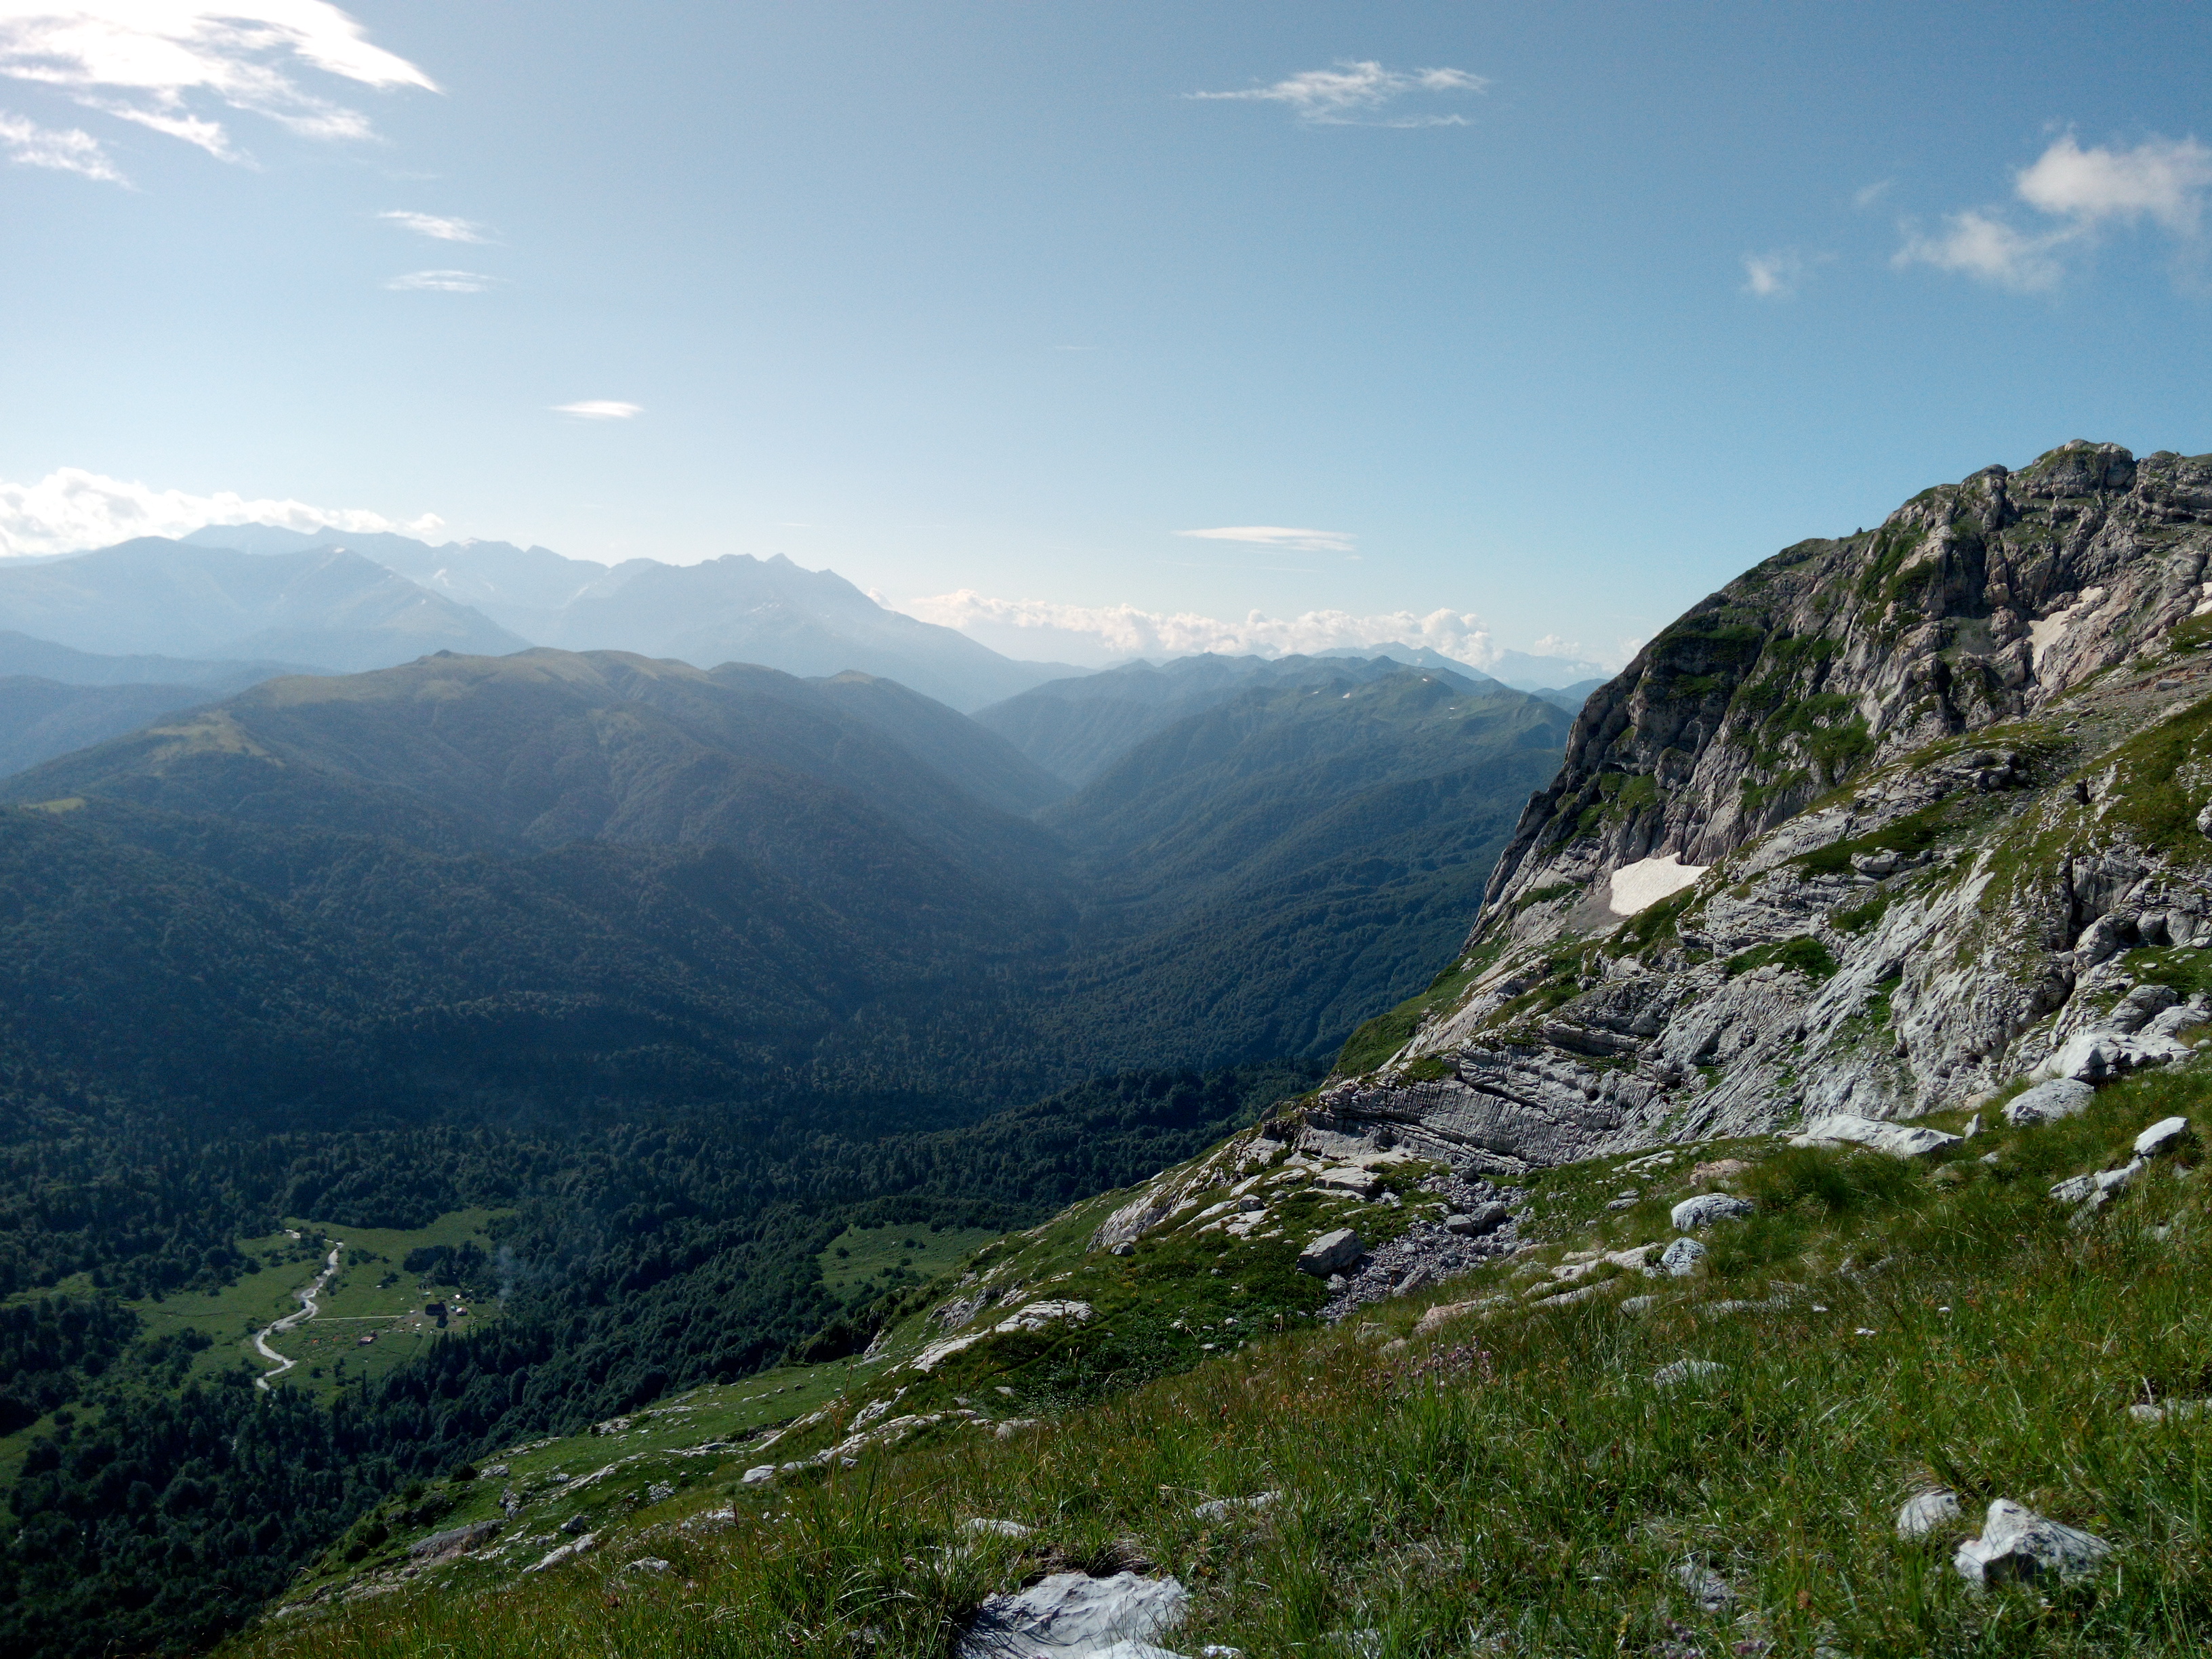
x: 1877, y: 827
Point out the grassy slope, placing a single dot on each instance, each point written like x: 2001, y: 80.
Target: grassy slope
x: 1517, y: 1483
x: 889, y: 1251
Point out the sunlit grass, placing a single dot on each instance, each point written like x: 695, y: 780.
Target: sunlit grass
x: 1522, y: 1485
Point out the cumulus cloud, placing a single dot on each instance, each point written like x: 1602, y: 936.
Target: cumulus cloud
x: 2164, y: 178
x: 1356, y: 92
x: 600, y: 409
x: 161, y: 62
x: 64, y: 150
x: 436, y: 226
x: 71, y: 509
x: 442, y: 282
x: 1276, y: 535
x: 2080, y: 193
x: 1110, y: 633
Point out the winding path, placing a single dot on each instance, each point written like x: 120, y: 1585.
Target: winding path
x: 306, y: 1295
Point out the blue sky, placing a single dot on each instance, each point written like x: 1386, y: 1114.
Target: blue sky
x: 1549, y: 317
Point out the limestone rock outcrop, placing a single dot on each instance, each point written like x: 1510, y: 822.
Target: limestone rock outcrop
x: 1882, y: 826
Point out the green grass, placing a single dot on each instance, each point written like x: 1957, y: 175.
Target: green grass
x: 230, y: 1316
x: 890, y: 1254
x: 374, y: 1295
x: 1521, y: 1486
x: 1803, y: 954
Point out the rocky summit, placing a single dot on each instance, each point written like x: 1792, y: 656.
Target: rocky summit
x: 1891, y: 820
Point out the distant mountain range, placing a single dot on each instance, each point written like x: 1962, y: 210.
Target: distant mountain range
x: 733, y: 609
x: 323, y: 606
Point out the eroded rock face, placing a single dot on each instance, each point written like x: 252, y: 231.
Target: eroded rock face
x: 1932, y: 827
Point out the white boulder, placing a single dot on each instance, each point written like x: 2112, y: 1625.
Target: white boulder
x: 1349, y: 1178
x: 1687, y: 1371
x: 2047, y: 1102
x: 1072, y: 1615
x: 1221, y: 1509
x: 2093, y: 1056
x: 1706, y: 1208
x: 2018, y: 1546
x: 1927, y: 1512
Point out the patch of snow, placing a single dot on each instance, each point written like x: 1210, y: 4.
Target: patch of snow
x: 1639, y: 885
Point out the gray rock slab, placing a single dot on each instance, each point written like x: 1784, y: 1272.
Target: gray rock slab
x: 2018, y: 1546
x: 1680, y: 1258
x: 2047, y: 1102
x: 2161, y: 1137
x: 1898, y: 1140
x: 1711, y: 1591
x: 1072, y: 1615
x: 455, y: 1540
x: 1331, y: 1253
x: 1706, y: 1208
x: 1349, y: 1178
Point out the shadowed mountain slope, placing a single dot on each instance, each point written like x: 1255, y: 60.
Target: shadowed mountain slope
x: 40, y: 719
x: 976, y: 758
x: 1077, y: 728
x: 542, y: 748
x: 1263, y: 872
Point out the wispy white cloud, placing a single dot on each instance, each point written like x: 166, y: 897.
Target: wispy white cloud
x: 1773, y: 275
x: 1867, y: 195
x: 1982, y: 246
x: 1355, y: 93
x: 67, y: 150
x: 436, y: 226
x: 1277, y: 536
x: 1110, y: 633
x: 442, y: 282
x: 147, y: 61
x: 71, y: 509
x: 600, y: 409
x: 2080, y: 193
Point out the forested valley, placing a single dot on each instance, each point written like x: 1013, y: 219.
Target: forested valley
x: 670, y: 978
